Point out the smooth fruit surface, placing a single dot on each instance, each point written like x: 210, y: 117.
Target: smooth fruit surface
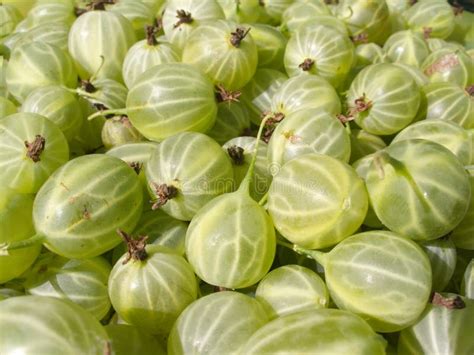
x: 310, y: 208
x: 380, y: 276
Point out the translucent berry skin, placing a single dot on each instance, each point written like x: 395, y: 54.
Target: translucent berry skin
x: 80, y: 207
x: 196, y: 166
x: 171, y: 98
x: 380, y: 276
x: 52, y: 326
x: 316, y: 332
x: 390, y: 99
x: 418, y: 189
x: 151, y: 294
x: 311, y: 208
x: 234, y: 250
x: 219, y: 332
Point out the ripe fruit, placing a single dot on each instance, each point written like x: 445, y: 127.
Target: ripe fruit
x: 51, y: 325
x: 93, y: 46
x: 117, y: 131
x: 145, y: 54
x: 127, y: 339
x: 218, y: 311
x: 37, y: 64
x: 224, y: 51
x: 383, y: 99
x: 304, y: 92
x: 302, y: 13
x: 241, y: 151
x: 380, y: 276
x: 16, y: 225
x: 448, y: 101
x: 83, y: 282
x: 316, y: 332
x: 308, y: 131
x: 271, y: 44
x: 78, y: 210
x: 443, y: 327
x: 365, y: 20
x: 181, y: 17
x: 32, y: 149
x: 185, y: 172
x: 292, y: 289
x: 449, y: 65
x: 150, y: 287
x: 322, y: 51
x: 152, y: 103
x: 311, y: 208
x: 418, y: 189
x: 446, y: 133
x: 442, y: 255
x: 59, y: 106
x: 431, y: 18
x: 406, y: 47
x: 231, y: 240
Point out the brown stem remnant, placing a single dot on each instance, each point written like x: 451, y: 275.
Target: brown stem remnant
x: 158, y: 22
x: 223, y: 95
x: 78, y: 11
x: 151, y: 32
x: 457, y: 8
x: 42, y: 269
x: 85, y: 213
x: 102, y: 107
x: 221, y: 289
x: 164, y: 193
x: 307, y: 64
x: 99, y: 4
x: 470, y: 90
x: 344, y: 118
x: 107, y: 348
x: 427, y: 32
x: 248, y: 132
x: 455, y: 302
x: 238, y: 36
x: 361, y: 104
x: 183, y: 17
x: 360, y: 38
x: 236, y: 154
x: 35, y: 148
x: 271, y: 124
x: 87, y: 86
x: 136, y: 166
x: 135, y: 247
x: 125, y: 121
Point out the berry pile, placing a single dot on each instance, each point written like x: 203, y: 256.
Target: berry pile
x: 236, y: 177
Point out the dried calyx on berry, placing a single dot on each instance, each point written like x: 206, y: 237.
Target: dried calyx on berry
x: 164, y: 193
x: 135, y: 247
x: 223, y: 95
x: 183, y: 17
x: 236, y: 154
x: 238, y: 36
x: 35, y: 148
